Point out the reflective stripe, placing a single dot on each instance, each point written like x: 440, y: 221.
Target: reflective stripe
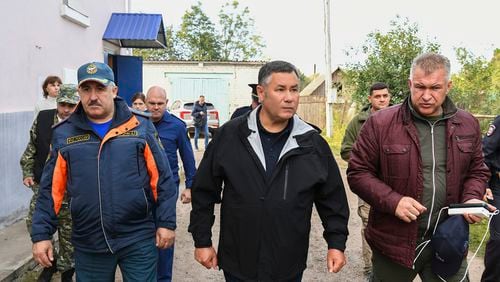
x: 59, y: 178
x: 152, y: 170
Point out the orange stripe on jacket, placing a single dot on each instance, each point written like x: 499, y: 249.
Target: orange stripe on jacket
x: 129, y: 125
x: 59, y: 178
x: 152, y: 170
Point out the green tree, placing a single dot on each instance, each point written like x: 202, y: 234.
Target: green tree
x: 476, y: 88
x: 197, y: 38
x: 237, y: 38
x: 388, y: 59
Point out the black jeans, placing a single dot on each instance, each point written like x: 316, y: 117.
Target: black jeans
x: 230, y: 278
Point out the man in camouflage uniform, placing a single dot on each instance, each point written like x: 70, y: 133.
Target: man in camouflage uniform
x: 32, y: 163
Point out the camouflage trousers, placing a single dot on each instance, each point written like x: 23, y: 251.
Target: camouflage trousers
x: 64, y: 254
x: 363, y: 212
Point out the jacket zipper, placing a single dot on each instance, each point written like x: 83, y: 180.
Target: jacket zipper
x: 286, y: 182
x: 433, y: 178
x: 100, y: 198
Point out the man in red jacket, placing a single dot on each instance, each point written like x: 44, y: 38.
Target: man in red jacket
x: 409, y: 162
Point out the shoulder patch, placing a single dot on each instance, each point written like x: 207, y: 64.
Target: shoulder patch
x: 129, y: 133
x: 78, y: 138
x: 491, y: 130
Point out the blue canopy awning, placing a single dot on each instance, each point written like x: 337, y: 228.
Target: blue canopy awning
x: 136, y: 30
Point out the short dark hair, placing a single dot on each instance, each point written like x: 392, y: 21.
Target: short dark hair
x: 139, y: 95
x: 275, y: 66
x: 378, y: 86
x: 50, y: 80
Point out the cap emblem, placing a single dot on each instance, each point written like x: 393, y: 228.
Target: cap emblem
x: 91, y: 69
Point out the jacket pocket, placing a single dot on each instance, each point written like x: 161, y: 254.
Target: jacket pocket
x: 147, y: 202
x: 138, y: 158
x: 68, y: 169
x: 397, y: 160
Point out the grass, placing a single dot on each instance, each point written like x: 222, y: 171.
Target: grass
x: 476, y: 233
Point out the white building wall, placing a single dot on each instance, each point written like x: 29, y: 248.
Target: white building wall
x: 243, y: 73
x: 37, y: 42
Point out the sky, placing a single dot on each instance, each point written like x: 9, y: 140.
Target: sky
x: 294, y: 30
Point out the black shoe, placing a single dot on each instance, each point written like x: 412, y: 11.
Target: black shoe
x: 67, y: 276
x: 47, y: 273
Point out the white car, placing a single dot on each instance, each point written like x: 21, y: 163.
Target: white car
x: 183, y: 109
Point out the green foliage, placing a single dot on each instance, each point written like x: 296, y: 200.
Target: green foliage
x: 388, y: 59
x: 338, y: 133
x: 304, y: 80
x: 170, y: 53
x: 198, y: 38
x: 237, y: 24
x: 476, y: 88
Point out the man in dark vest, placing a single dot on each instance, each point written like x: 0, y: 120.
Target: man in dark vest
x: 32, y: 163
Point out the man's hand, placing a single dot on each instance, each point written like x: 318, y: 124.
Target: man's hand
x: 488, y: 196
x: 335, y: 260
x: 186, y: 196
x: 470, y: 218
x: 28, y: 181
x: 206, y: 257
x: 164, y: 238
x: 43, y: 253
x: 409, y: 209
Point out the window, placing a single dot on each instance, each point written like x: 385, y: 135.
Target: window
x: 73, y: 10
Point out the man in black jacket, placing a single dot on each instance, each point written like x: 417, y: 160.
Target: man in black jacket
x: 273, y: 166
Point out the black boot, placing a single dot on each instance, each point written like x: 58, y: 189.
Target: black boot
x: 47, y: 273
x: 67, y: 276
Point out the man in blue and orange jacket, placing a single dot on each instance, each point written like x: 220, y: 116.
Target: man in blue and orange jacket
x: 109, y: 162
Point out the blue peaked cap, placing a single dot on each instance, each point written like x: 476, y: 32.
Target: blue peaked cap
x: 450, y: 244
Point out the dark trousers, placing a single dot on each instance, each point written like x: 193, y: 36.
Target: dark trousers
x: 137, y: 263
x: 230, y: 278
x: 165, y: 264
x: 492, y: 254
x: 386, y: 270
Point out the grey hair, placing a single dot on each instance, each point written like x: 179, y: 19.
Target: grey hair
x: 430, y: 62
x: 268, y: 69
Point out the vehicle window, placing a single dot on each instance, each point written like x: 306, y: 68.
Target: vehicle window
x: 175, y: 105
x: 188, y: 106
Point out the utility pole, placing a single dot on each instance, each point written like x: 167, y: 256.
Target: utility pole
x: 328, y: 73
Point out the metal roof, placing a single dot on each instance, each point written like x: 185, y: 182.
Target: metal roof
x: 133, y: 30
